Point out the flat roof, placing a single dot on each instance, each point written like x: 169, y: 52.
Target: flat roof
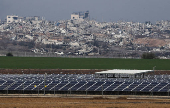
x: 119, y: 71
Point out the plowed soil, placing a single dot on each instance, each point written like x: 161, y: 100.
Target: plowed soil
x: 82, y: 103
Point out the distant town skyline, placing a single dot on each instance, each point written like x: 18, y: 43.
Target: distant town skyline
x: 100, y: 10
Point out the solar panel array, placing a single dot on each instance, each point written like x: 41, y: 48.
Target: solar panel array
x: 82, y: 82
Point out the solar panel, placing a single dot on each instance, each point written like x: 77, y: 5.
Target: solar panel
x: 64, y: 82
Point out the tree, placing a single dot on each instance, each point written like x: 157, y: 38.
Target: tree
x: 148, y: 56
x: 9, y: 54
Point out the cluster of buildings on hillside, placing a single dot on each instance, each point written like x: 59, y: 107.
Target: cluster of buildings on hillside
x: 82, y: 36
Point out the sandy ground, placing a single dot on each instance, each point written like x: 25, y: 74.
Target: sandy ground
x: 72, y: 102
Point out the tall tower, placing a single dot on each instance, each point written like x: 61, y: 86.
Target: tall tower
x: 86, y: 15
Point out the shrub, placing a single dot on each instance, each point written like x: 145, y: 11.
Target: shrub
x: 9, y: 54
x: 148, y: 56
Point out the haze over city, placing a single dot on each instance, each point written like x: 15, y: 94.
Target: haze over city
x: 100, y: 10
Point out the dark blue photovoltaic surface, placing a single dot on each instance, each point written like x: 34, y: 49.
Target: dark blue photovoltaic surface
x: 84, y: 82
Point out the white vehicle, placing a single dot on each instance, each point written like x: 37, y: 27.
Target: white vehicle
x: 59, y: 53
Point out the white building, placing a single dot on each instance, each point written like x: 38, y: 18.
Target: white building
x: 121, y: 73
x: 80, y: 15
x: 74, y: 16
x: 12, y: 18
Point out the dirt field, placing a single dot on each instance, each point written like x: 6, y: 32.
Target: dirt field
x: 97, y: 102
x: 49, y: 71
x: 64, y: 71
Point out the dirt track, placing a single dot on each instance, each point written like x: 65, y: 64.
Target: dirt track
x: 63, y: 71
x: 49, y: 71
x: 49, y: 102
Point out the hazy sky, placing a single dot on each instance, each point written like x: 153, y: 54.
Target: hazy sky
x: 100, y: 10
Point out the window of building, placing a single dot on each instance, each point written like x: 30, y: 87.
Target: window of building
x: 15, y: 18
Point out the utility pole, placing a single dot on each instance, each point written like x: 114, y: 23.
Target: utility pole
x: 38, y: 90
x: 23, y: 88
x: 44, y: 82
x: 168, y: 89
x: 70, y: 87
x: 7, y: 88
x: 54, y: 90
x: 86, y: 89
x: 102, y: 90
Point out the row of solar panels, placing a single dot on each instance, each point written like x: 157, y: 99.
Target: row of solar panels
x: 85, y: 86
